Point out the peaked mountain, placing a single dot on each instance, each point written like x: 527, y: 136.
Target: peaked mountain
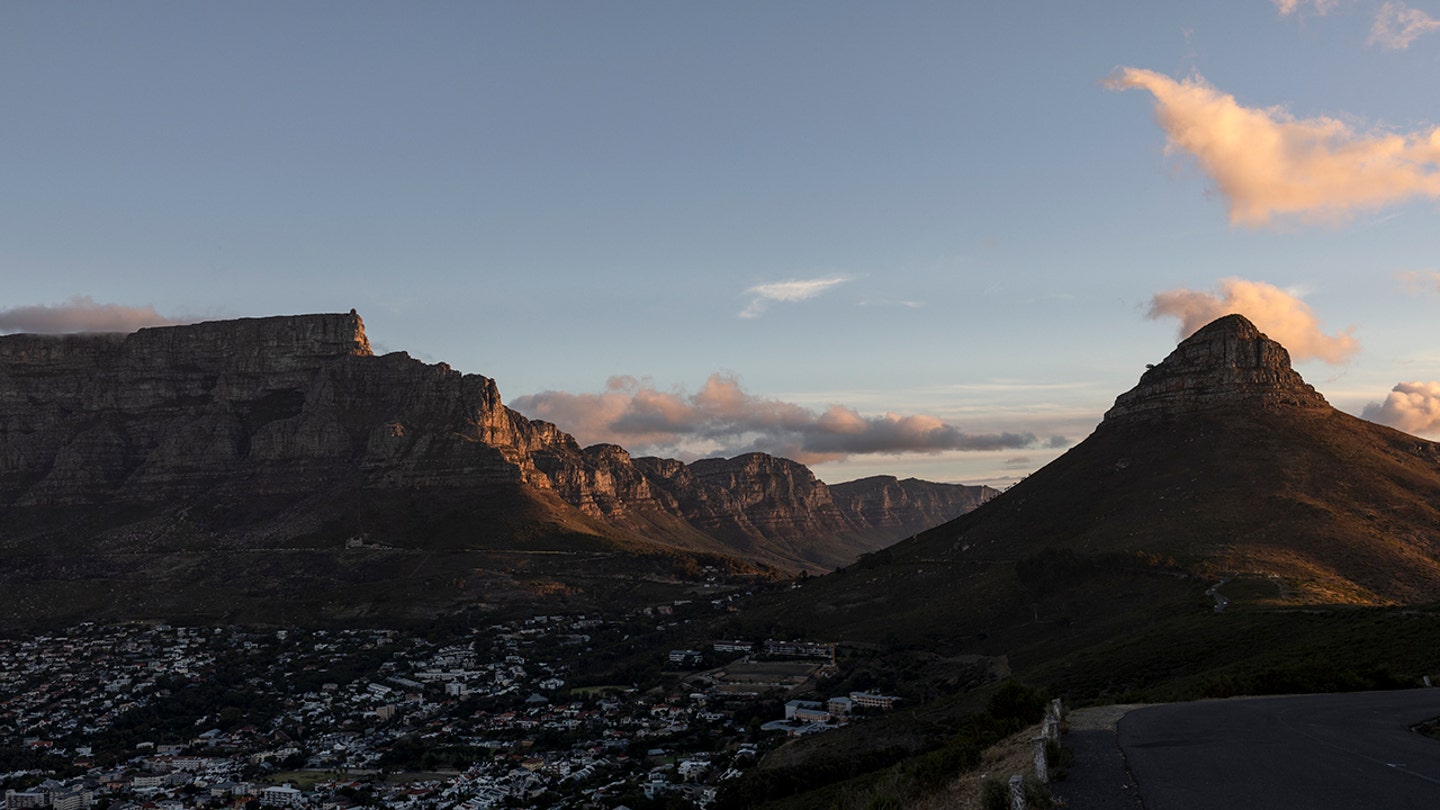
x: 1222, y: 464
x: 288, y: 433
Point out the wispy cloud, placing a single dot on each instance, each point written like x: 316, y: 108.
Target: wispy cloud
x: 1320, y: 7
x: 722, y: 418
x: 892, y: 302
x: 1397, y: 25
x: 1413, y: 407
x: 1277, y: 313
x: 763, y: 295
x: 1267, y: 163
x: 1417, y: 282
x: 81, y: 314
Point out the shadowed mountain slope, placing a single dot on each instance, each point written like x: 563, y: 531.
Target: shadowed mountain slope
x: 1222, y: 463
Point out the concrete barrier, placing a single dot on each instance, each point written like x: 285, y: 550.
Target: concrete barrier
x: 1017, y: 792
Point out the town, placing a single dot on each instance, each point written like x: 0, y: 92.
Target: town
x: 150, y: 715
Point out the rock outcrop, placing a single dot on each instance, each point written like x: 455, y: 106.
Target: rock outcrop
x: 1228, y: 363
x: 908, y: 505
x: 290, y: 408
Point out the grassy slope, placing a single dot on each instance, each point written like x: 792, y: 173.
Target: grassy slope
x: 498, y: 551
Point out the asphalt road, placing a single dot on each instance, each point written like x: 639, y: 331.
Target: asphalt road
x: 1301, y: 753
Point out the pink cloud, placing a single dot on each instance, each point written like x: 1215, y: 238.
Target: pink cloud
x: 1277, y: 313
x: 722, y: 418
x: 1413, y: 407
x: 1268, y: 164
x: 1398, y: 25
x: 80, y: 314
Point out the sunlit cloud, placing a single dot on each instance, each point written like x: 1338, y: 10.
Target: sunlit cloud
x: 1320, y: 7
x: 80, y: 314
x: 763, y: 295
x: 722, y: 419
x: 1413, y: 407
x: 1267, y: 163
x: 1277, y: 313
x: 1397, y: 25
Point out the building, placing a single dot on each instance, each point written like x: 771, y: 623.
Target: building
x: 809, y: 708
x: 686, y: 657
x: 872, y: 701
x: 282, y: 796
x: 30, y: 798
x: 800, y: 649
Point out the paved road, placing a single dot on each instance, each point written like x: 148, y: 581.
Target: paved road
x: 1290, y: 753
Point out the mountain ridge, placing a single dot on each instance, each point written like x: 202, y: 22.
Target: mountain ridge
x: 258, y: 430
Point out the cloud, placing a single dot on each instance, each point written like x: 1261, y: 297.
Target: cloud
x: 1266, y: 163
x: 1275, y: 312
x: 1288, y: 7
x: 721, y: 418
x: 1397, y: 25
x: 1413, y: 407
x: 763, y: 295
x: 80, y: 314
x: 1419, y: 281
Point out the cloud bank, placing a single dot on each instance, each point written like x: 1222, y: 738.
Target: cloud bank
x: 1413, y: 407
x: 1398, y: 25
x: 721, y: 418
x: 1275, y: 312
x: 1266, y: 163
x: 80, y: 314
x: 763, y: 295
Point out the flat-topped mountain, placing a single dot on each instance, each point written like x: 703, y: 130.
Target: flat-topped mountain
x: 289, y: 432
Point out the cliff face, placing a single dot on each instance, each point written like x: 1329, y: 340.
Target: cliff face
x: 907, y: 506
x: 257, y: 406
x: 295, y: 407
x: 1227, y: 363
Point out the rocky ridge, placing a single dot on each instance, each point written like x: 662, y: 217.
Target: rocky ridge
x: 293, y: 407
x: 1227, y: 363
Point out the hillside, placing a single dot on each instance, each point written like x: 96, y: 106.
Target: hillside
x: 1223, y: 531
x: 1221, y: 463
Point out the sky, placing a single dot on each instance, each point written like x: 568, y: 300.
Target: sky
x: 926, y: 239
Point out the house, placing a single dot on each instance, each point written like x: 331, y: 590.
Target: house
x: 873, y: 701
x: 795, y: 708
x: 686, y: 657
x: 281, y: 796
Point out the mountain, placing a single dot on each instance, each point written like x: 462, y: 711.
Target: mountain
x: 1222, y: 531
x: 1221, y: 466
x: 289, y: 434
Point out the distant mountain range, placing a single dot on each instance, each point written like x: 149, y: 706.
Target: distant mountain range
x: 132, y: 462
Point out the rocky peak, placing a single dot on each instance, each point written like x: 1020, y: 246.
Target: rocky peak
x: 1227, y: 363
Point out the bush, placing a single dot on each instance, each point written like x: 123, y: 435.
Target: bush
x: 1016, y: 701
x: 994, y: 794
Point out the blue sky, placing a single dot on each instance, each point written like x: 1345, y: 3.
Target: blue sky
x: 772, y: 223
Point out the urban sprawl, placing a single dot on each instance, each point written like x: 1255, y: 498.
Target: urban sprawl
x: 140, y: 716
